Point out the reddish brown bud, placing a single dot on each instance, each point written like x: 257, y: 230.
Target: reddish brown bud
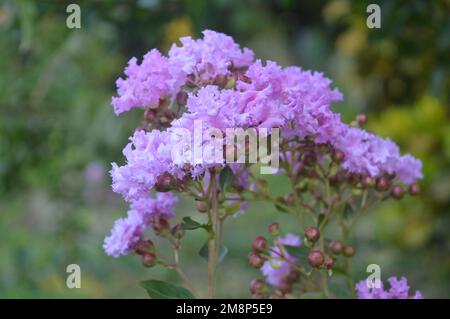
x: 181, y: 98
x: 315, y: 258
x: 177, y: 231
x: 367, y: 181
x: 164, y: 183
x: 160, y: 226
x: 336, y: 247
x: 145, y: 246
x: 348, y: 251
x: 312, y: 234
x: 274, y: 229
x: 149, y: 260
x: 259, y: 244
x: 257, y: 285
x: 382, y: 184
x: 328, y: 263
x: 361, y: 119
x: 397, y: 192
x: 338, y: 156
x: 414, y: 189
x: 255, y: 260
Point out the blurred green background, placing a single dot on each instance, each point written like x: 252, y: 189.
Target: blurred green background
x: 58, y: 132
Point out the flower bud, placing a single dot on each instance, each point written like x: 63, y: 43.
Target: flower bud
x: 367, y: 182
x: 361, y: 119
x: 181, y: 98
x: 177, y: 231
x: 274, y: 229
x: 338, y: 156
x: 336, y: 247
x: 257, y: 285
x: 164, y: 183
x: 312, y: 234
x: 160, y: 226
x: 348, y: 251
x: 259, y: 244
x: 202, y: 207
x: 381, y: 184
x: 328, y: 263
x: 397, y: 192
x: 150, y: 115
x: 149, y: 260
x: 145, y: 246
x: 414, y: 189
x: 316, y: 258
x: 220, y: 80
x: 255, y: 260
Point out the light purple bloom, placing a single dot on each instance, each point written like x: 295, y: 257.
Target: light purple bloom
x: 127, y: 232
x: 275, y: 270
x: 159, y: 76
x: 399, y: 289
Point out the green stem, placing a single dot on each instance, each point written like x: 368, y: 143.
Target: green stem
x: 214, y: 237
x: 323, y: 274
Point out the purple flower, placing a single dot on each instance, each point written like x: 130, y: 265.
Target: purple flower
x: 148, y: 157
x: 146, y: 83
x: 399, y: 289
x: 210, y: 56
x: 158, y: 76
x: 127, y: 232
x: 275, y: 270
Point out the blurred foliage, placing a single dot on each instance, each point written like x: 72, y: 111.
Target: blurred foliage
x: 58, y: 133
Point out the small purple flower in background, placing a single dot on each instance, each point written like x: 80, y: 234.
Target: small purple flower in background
x: 277, y: 271
x: 399, y: 289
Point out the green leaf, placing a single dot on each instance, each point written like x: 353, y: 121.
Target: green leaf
x: 157, y: 289
x: 281, y: 208
x: 226, y: 178
x: 189, y: 224
x: 222, y: 253
x: 301, y: 253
